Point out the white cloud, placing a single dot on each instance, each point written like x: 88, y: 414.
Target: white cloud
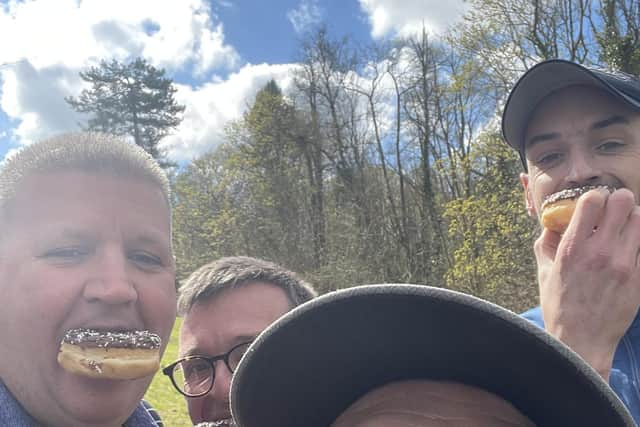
x: 74, y: 33
x: 305, y: 16
x: 213, y: 105
x: 407, y: 17
x: 36, y: 99
x: 45, y: 45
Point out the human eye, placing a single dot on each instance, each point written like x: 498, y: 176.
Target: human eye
x: 194, y: 375
x: 236, y: 354
x: 547, y: 159
x: 145, y: 259
x: 195, y: 369
x: 65, y: 254
x: 610, y: 146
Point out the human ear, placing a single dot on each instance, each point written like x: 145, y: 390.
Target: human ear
x: 528, y: 198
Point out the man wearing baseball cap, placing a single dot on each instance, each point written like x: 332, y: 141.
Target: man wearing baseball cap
x: 576, y: 127
x: 400, y: 355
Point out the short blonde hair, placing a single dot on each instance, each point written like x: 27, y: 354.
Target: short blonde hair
x: 92, y: 153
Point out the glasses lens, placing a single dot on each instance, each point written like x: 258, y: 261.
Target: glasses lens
x: 236, y: 354
x: 194, y: 376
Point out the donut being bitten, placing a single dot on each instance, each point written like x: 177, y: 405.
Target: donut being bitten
x: 227, y: 422
x: 110, y: 355
x: 557, y: 209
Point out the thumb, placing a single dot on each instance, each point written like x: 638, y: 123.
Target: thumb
x: 545, y: 249
x: 546, y: 245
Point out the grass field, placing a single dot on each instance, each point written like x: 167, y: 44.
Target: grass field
x: 161, y: 394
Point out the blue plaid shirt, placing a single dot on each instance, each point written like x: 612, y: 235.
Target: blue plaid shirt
x: 624, y: 378
x: 14, y: 415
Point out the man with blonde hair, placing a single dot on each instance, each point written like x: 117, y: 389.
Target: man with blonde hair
x: 85, y: 244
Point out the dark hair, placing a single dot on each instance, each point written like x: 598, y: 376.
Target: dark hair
x: 231, y: 272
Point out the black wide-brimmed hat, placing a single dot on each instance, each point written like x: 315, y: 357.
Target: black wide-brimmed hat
x: 315, y: 361
x: 550, y: 76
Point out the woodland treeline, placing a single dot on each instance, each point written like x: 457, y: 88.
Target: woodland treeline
x: 385, y: 163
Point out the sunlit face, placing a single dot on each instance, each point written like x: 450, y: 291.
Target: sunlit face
x: 81, y: 250
x: 581, y: 136
x: 423, y: 403
x: 213, y: 327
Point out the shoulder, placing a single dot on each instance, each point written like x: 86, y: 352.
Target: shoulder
x: 144, y: 416
x: 534, y: 316
x: 152, y: 412
x: 11, y: 412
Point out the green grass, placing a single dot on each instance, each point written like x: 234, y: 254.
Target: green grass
x: 161, y: 394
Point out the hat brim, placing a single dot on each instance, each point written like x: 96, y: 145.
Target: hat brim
x: 541, y: 81
x: 314, y: 362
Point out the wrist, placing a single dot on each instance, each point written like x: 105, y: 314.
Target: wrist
x: 599, y: 357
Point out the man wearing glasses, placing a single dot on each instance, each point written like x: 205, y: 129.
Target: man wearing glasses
x: 225, y: 305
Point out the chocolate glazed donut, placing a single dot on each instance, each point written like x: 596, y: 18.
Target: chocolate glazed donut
x: 557, y: 209
x: 110, y: 355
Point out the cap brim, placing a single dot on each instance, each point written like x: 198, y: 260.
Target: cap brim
x: 541, y: 81
x: 315, y: 361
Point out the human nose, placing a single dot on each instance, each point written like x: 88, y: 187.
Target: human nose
x: 109, y: 279
x: 582, y: 170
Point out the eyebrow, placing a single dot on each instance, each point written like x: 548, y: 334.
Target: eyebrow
x: 197, y: 351
x: 601, y: 124
x: 74, y: 234
x: 150, y: 238
x: 613, y: 120
x: 541, y: 138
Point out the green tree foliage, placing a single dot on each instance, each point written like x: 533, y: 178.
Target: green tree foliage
x: 385, y: 164
x: 133, y: 99
x: 250, y: 195
x: 619, y: 37
x: 491, y: 238
x: 204, y: 216
x: 271, y: 167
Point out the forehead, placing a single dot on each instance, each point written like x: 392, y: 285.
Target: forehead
x: 242, y: 311
x: 248, y: 300
x: 60, y: 182
x: 75, y: 196
x: 426, y: 403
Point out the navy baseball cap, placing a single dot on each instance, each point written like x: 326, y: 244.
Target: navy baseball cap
x: 550, y: 76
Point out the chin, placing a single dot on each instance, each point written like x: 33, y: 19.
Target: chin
x: 93, y: 401
x: 95, y: 413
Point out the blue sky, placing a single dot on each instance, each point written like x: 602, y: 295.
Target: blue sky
x: 246, y: 22
x: 219, y: 53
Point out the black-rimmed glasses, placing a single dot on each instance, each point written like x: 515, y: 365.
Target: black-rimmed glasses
x: 193, y: 376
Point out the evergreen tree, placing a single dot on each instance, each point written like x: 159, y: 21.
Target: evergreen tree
x: 133, y: 99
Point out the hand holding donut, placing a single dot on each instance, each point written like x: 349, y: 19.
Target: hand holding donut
x: 558, y: 208
x: 589, y: 278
